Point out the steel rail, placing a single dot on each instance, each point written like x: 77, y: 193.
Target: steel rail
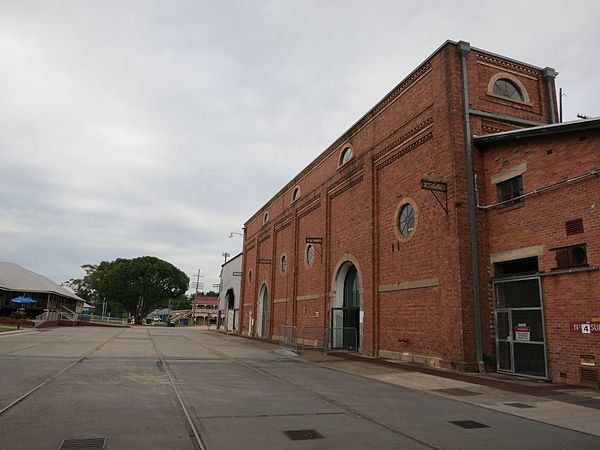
x: 163, y: 363
x: 313, y: 393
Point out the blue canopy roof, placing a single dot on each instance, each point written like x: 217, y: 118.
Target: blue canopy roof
x: 23, y: 300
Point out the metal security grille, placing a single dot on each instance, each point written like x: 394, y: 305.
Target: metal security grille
x: 82, y: 444
x: 468, y: 424
x: 589, y: 375
x: 303, y: 435
x: 520, y: 334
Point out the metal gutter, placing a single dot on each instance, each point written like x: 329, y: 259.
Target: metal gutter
x: 542, y: 130
x: 505, y: 118
x: 463, y: 49
x: 549, y: 76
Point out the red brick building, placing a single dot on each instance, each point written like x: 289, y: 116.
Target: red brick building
x: 454, y: 224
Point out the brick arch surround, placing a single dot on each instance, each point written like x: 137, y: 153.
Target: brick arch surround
x: 336, y: 295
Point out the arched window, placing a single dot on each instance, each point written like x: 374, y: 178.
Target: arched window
x: 346, y: 155
x: 283, y: 263
x: 296, y: 194
x: 310, y: 254
x: 266, y: 218
x: 506, y: 88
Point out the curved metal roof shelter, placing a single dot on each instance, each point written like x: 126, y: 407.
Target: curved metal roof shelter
x: 16, y: 278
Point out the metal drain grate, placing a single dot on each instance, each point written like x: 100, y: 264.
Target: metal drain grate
x: 468, y: 424
x: 457, y: 392
x: 303, y: 435
x: 519, y: 405
x: 82, y: 444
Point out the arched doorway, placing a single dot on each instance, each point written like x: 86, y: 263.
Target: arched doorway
x: 345, y: 314
x: 230, y: 312
x: 262, y: 313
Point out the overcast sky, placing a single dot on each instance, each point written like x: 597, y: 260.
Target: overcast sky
x: 131, y: 128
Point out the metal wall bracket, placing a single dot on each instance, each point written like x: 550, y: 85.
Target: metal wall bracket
x: 434, y: 187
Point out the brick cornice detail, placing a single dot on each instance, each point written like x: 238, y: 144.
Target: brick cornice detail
x: 264, y: 236
x: 283, y: 223
x: 405, y: 150
x: 250, y: 245
x: 309, y: 207
x: 343, y: 187
x: 405, y: 137
x: 507, y: 64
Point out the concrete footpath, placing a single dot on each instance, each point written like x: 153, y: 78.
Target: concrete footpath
x: 571, y: 407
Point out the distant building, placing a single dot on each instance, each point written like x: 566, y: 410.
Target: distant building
x: 18, y: 281
x: 205, y: 309
x: 229, y: 294
x: 455, y: 224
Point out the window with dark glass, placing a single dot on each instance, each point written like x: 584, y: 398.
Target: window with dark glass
x: 507, y: 88
x: 296, y: 194
x: 510, y: 191
x: 406, y: 219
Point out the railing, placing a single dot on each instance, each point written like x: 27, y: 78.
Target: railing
x: 48, y: 315
x: 313, y: 337
x: 105, y: 319
x: 288, y: 337
x: 67, y: 313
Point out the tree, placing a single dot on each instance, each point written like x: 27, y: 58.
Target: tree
x: 82, y: 286
x: 138, y: 284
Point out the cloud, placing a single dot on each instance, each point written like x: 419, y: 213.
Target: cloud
x: 136, y: 127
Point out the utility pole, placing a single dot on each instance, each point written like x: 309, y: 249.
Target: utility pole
x: 225, y: 255
x: 196, y: 296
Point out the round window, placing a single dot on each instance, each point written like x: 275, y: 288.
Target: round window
x: 283, y: 263
x: 310, y: 254
x: 406, y: 219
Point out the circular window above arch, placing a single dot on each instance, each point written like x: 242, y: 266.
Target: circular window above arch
x: 346, y: 155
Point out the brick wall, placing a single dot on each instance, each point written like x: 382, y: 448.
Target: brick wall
x: 416, y: 292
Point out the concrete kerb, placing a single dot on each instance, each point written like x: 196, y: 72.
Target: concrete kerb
x: 22, y: 331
